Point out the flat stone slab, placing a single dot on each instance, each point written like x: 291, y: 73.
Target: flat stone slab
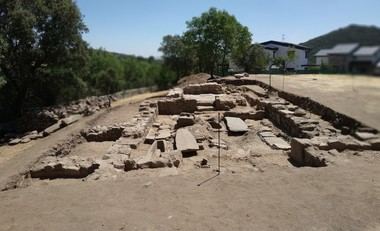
x: 287, y: 112
x: 204, y: 88
x: 205, y: 108
x: 163, y: 134
x: 203, y: 99
x: 266, y: 134
x: 185, y: 141
x: 150, y: 137
x: 277, y: 143
x: 53, y: 128
x: 236, y: 125
x: 70, y: 120
x: 257, y: 90
x: 365, y: 135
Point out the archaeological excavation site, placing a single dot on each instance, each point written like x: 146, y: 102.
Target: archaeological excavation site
x: 224, y: 125
x: 224, y: 140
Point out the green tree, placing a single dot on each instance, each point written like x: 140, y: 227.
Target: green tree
x: 253, y: 60
x: 177, y: 55
x: 216, y: 36
x: 41, y: 50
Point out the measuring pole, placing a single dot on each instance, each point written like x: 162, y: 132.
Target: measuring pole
x: 219, y: 143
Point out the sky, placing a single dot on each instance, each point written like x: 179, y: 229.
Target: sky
x: 137, y: 26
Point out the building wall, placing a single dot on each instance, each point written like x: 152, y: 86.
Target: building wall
x: 377, y: 71
x: 340, y: 62
x: 319, y: 60
x: 300, y: 56
x: 373, y: 58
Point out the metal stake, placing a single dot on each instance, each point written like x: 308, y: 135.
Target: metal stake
x: 219, y: 143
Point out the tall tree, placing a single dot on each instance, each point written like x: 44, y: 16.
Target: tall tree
x: 216, y: 36
x: 253, y: 59
x: 177, y: 55
x: 41, y: 49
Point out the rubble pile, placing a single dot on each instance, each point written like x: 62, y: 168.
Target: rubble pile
x: 65, y: 167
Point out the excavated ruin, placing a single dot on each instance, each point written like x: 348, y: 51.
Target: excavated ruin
x: 187, y: 123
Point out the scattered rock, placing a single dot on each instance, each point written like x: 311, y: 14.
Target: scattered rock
x: 202, y: 163
x: 14, y: 141
x: 175, y: 157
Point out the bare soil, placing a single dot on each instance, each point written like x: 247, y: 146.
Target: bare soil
x: 193, y: 79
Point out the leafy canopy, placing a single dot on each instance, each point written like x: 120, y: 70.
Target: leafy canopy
x: 210, y: 42
x: 41, y: 49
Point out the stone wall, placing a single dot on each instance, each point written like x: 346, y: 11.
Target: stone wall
x: 345, y: 123
x: 38, y: 119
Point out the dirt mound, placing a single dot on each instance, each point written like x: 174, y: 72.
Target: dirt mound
x: 193, y: 79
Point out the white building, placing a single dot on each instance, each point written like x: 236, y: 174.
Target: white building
x: 283, y: 49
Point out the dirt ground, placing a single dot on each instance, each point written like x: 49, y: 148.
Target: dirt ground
x: 260, y: 190
x: 344, y: 197
x: 353, y: 95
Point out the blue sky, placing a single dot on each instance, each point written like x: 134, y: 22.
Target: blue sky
x: 137, y: 26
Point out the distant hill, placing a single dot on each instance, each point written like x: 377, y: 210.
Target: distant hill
x: 364, y: 35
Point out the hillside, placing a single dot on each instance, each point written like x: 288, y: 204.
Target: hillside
x: 365, y: 35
